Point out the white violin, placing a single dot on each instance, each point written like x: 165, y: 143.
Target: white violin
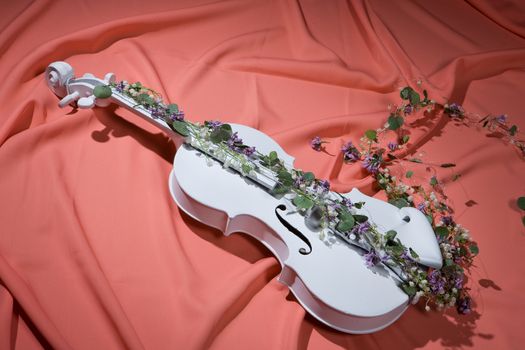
x: 327, y: 275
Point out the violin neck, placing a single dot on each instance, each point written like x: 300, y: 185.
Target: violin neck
x: 128, y: 103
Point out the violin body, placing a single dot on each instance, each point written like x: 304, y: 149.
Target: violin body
x: 327, y: 275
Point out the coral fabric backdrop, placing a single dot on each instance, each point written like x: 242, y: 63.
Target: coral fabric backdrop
x: 94, y: 254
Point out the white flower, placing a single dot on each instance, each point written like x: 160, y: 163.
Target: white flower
x: 427, y: 308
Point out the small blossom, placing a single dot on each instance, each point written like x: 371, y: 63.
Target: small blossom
x: 454, y: 110
x: 463, y: 305
x: 502, y: 119
x: 214, y: 124
x: 408, y: 109
x: 372, y: 163
x: 392, y: 146
x: 317, y: 144
x: 350, y: 152
x: 371, y: 258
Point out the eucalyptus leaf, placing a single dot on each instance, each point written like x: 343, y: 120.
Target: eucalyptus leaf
x: 309, y: 176
x: 399, y: 202
x: 433, y: 181
x: 390, y: 235
x: 181, y: 127
x: 173, y: 108
x: 405, y: 93
x: 474, y: 249
x: 395, y: 122
x: 521, y: 203
x: 102, y: 91
x: 409, y: 174
x: 221, y: 133
x: 442, y: 231
x: 405, y: 139
x: 371, y: 135
x: 413, y: 253
x: 285, y: 178
x: 360, y: 218
x: 410, y: 291
x: 346, y: 221
x: 303, y: 202
x: 414, y: 98
x: 513, y: 129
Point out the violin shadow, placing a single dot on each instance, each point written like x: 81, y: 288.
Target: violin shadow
x: 116, y: 126
x: 242, y: 245
x: 413, y: 330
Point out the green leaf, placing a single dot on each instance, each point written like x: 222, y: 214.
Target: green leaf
x: 425, y: 93
x: 280, y: 189
x: 405, y: 139
x: 371, y: 135
x: 513, y: 130
x: 455, y: 177
x: 246, y: 168
x: 359, y: 205
x: 303, y: 202
x: 285, y: 178
x: 346, y: 221
x: 410, y: 291
x: 399, y: 202
x: 415, y: 160
x: 395, y: 122
x: 413, y: 253
x: 442, y: 231
x: 414, y: 98
x: 309, y: 177
x: 409, y: 174
x: 521, y: 203
x: 448, y: 165
x: 221, y: 133
x: 181, y: 127
x: 390, y: 235
x: 144, y: 99
x: 449, y: 262
x: 433, y: 181
x: 430, y: 218
x: 405, y: 93
x: 360, y: 218
x: 173, y: 108
x: 474, y: 249
x: 102, y: 91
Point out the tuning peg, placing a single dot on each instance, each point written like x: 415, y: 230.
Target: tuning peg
x: 68, y: 99
x: 109, y: 78
x: 86, y: 102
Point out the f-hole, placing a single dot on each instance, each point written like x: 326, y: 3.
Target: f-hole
x: 293, y: 230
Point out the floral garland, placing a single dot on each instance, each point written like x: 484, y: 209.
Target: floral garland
x: 333, y: 212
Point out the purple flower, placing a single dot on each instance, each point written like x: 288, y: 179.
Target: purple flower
x: 447, y: 220
x: 361, y: 228
x: 214, y: 124
x: 463, y: 305
x: 422, y: 208
x: 371, y: 258
x: 177, y: 116
x: 248, y: 151
x: 350, y: 152
x: 392, y: 146
x: 121, y: 86
x: 372, y: 163
x: 347, y: 203
x: 234, y: 141
x: 436, y: 282
x: 458, y: 281
x: 408, y: 109
x: 454, y: 110
x: 157, y: 112
x: 317, y: 143
x: 324, y: 185
x: 502, y: 119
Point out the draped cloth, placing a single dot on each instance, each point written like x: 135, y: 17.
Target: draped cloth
x: 94, y: 253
